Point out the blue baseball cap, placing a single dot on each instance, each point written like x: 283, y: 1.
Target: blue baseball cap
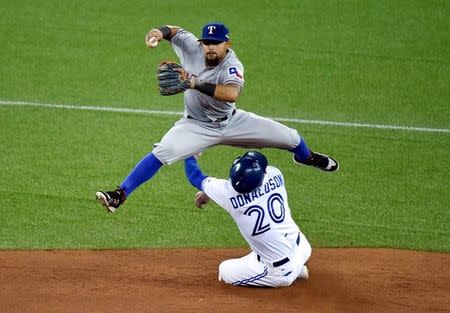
x: 215, y: 32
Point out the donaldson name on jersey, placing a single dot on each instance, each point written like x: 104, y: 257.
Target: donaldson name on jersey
x: 271, y: 184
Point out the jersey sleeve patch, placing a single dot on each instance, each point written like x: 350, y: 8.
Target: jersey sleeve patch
x: 236, y: 72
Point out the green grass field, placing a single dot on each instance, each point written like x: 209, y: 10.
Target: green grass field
x: 375, y: 62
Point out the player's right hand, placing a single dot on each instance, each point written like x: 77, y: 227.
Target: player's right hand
x: 153, y: 37
x: 201, y: 199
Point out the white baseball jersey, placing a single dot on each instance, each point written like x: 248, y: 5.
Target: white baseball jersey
x: 262, y: 216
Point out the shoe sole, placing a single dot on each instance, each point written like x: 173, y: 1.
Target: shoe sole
x: 104, y: 202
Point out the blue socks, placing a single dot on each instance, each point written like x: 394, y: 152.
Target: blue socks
x: 143, y: 171
x: 149, y: 165
x: 301, y: 151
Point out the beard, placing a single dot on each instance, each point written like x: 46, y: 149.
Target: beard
x: 211, y: 59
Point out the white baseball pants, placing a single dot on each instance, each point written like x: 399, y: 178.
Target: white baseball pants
x: 249, y: 271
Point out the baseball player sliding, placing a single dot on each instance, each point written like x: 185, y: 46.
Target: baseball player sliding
x: 255, y: 197
x: 211, y: 78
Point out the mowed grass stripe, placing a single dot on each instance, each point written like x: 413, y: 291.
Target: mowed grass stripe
x: 281, y: 119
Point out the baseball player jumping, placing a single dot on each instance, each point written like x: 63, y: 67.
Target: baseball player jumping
x: 211, y: 78
x: 255, y: 197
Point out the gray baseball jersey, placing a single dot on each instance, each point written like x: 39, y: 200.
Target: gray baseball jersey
x: 230, y: 70
x: 207, y: 121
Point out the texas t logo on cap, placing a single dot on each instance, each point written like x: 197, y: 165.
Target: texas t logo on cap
x: 215, y: 32
x: 211, y: 28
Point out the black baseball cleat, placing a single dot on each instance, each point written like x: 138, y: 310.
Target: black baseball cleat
x: 111, y: 200
x: 321, y: 161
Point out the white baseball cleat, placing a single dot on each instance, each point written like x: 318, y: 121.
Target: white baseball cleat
x: 304, y: 274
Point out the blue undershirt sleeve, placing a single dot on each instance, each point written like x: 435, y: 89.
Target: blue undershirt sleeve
x: 194, y: 173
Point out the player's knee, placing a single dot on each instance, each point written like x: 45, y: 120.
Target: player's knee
x: 224, y: 272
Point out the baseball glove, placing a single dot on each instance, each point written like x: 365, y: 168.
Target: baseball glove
x: 172, y: 78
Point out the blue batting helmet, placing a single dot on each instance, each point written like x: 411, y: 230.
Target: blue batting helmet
x: 246, y: 174
x: 259, y: 157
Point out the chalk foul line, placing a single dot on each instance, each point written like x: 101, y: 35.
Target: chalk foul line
x: 162, y: 112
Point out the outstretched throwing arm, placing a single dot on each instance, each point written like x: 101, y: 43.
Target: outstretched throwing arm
x: 155, y: 35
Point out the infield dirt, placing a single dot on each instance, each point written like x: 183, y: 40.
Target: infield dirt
x: 185, y: 280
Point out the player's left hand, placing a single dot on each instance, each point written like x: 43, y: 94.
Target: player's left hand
x: 201, y: 199
x: 172, y: 78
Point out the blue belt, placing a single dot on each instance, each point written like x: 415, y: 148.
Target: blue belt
x: 283, y: 261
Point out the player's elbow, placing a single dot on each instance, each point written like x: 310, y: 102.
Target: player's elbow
x: 231, y: 96
x: 228, y: 92
x: 230, y: 99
